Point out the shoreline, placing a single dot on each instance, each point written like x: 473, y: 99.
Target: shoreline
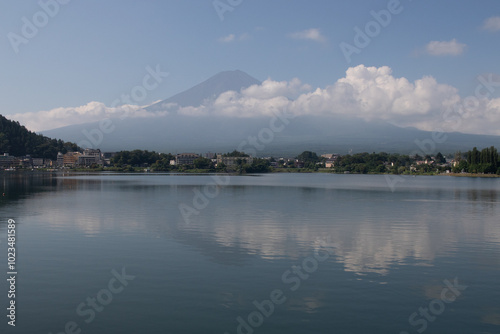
x: 203, y: 172
x: 472, y: 175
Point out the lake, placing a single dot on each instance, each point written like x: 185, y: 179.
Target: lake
x: 273, y: 253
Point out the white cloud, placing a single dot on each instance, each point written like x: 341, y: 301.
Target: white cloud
x: 233, y: 38
x: 91, y: 112
x: 256, y: 100
x: 370, y: 93
x: 270, y: 88
x: 445, y: 48
x: 492, y: 24
x: 227, y: 39
x: 312, y: 34
x: 373, y: 93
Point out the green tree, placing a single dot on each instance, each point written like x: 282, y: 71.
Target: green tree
x: 308, y: 157
x: 258, y: 166
x: 140, y: 158
x: 202, y: 163
x: 440, y: 159
x: 16, y: 140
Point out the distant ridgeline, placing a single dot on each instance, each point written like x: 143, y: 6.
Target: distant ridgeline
x: 16, y: 140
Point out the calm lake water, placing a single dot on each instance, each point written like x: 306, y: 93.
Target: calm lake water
x: 277, y: 253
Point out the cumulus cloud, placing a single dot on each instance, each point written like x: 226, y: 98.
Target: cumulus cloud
x: 373, y: 93
x: 312, y: 34
x: 256, y: 100
x: 492, y: 24
x: 270, y: 88
x: 445, y: 48
x: 370, y: 93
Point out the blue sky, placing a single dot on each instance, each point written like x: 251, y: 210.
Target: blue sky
x: 95, y: 50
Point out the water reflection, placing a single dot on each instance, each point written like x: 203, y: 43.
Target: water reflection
x: 491, y: 316
x: 391, y: 253
x: 373, y: 230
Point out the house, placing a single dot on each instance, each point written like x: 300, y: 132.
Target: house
x: 331, y: 158
x: 330, y: 163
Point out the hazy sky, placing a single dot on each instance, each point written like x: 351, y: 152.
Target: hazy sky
x: 95, y: 50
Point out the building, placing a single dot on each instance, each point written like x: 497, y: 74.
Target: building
x: 90, y: 157
x: 330, y: 163
x: 8, y: 161
x: 26, y: 161
x: 233, y: 161
x: 186, y: 158
x: 93, y: 152
x: 209, y: 155
x: 298, y: 163
x: 60, y: 160
x: 70, y: 159
x: 38, y: 162
x: 87, y: 160
x: 424, y: 162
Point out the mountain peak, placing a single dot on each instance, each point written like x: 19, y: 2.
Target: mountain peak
x: 209, y: 89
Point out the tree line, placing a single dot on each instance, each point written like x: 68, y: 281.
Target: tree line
x: 127, y: 160
x: 372, y: 163
x: 474, y: 161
